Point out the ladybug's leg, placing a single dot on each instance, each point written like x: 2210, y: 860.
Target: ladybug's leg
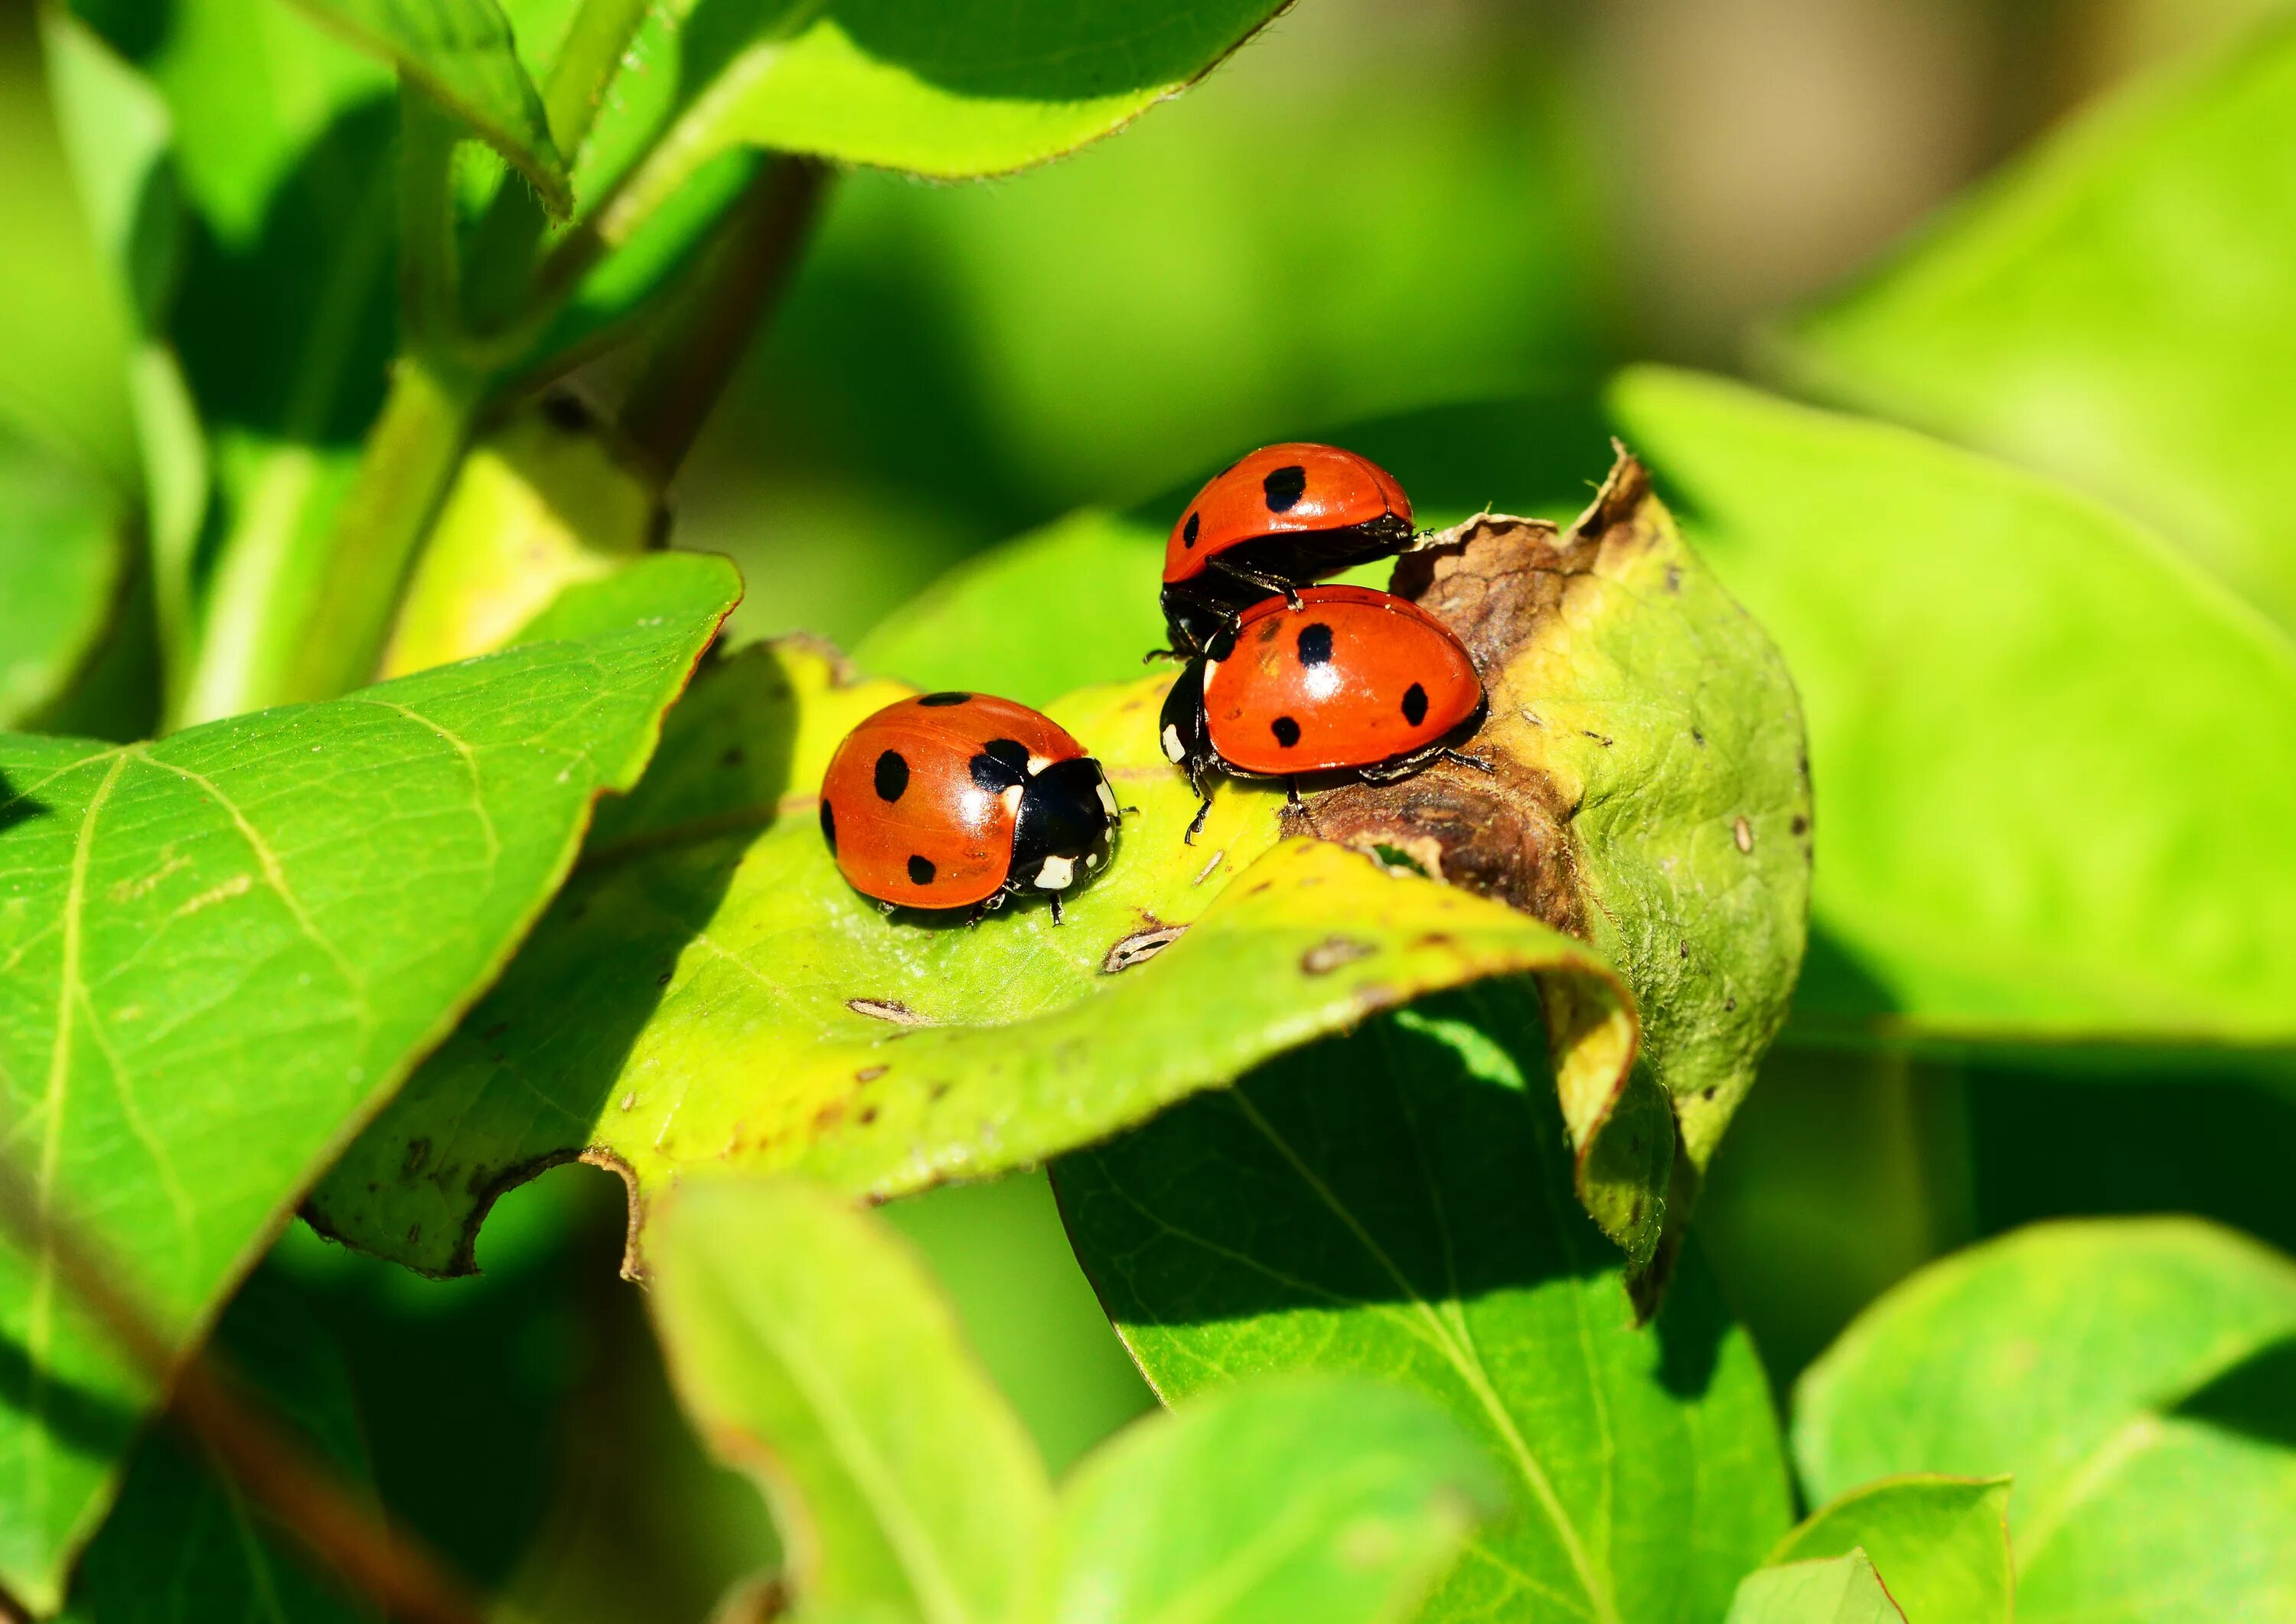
x: 886, y: 909
x: 1291, y: 793
x: 1196, y: 824
x: 1260, y: 578
x: 1057, y: 906
x: 1447, y: 754
x: 1155, y: 654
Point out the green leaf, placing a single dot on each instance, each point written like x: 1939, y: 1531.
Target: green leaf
x: 461, y: 53
x: 1941, y: 1543
x: 948, y: 90
x: 2118, y: 309
x: 539, y: 506
x: 225, y: 950
x: 2055, y: 763
x: 2133, y: 1375
x: 63, y: 557
x: 1304, y: 1497
x: 813, y: 1352
x: 1844, y: 1590
x: 184, y: 1544
x: 968, y: 627
x: 1397, y: 1204
x: 708, y: 992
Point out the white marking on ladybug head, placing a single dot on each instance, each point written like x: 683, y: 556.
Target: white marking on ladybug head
x: 1175, y: 751
x: 1107, y: 798
x: 1057, y: 874
x: 1038, y: 764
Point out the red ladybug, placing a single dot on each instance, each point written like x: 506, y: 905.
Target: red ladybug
x: 952, y: 800
x: 1282, y: 517
x: 1349, y: 680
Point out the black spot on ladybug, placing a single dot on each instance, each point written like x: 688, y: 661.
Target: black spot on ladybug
x: 920, y: 871
x: 829, y: 827
x: 1188, y: 530
x: 1012, y: 752
x: 949, y: 698
x: 1315, y: 645
x: 892, y: 775
x: 1414, y: 704
x: 993, y: 774
x: 1286, y: 730
x: 1284, y: 486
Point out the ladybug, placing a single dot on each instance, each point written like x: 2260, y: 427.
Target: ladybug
x: 1280, y: 518
x: 1345, y: 679
x: 952, y: 800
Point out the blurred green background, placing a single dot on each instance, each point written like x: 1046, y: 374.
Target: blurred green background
x: 1378, y: 205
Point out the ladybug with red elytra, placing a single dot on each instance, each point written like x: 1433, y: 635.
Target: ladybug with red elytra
x: 1337, y: 679
x: 960, y: 800
x: 1271, y: 522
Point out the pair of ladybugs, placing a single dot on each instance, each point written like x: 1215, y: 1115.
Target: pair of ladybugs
x: 952, y: 800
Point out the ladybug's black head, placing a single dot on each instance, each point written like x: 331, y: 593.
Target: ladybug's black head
x: 1067, y: 815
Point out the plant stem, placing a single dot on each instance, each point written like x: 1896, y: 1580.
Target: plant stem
x: 706, y: 333
x: 410, y: 459
x: 592, y: 49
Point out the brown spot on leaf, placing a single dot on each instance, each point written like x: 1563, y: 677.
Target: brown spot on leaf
x: 1800, y: 825
x: 418, y: 1152
x: 870, y: 1074
x: 1139, y: 948
x: 1742, y: 833
x: 886, y: 1009
x: 1331, y: 953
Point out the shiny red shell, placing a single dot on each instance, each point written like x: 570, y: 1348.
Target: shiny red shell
x: 1352, y: 677
x: 901, y: 810
x: 1281, y: 490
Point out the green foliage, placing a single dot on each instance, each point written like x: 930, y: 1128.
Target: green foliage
x: 2131, y: 1376
x: 2020, y: 836
x: 1394, y: 1205
x: 708, y: 933
x: 461, y: 53
x: 1940, y: 1544
x: 2117, y: 309
x: 1845, y: 1589
x: 814, y: 1352
x: 64, y: 556
x: 227, y: 947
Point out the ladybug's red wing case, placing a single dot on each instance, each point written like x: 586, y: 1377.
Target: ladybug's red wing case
x: 920, y: 800
x: 1288, y: 490
x: 1352, y: 678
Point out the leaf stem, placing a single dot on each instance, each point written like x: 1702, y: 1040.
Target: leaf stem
x: 706, y: 333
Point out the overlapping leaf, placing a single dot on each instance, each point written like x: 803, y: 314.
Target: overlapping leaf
x: 542, y: 504
x: 1310, y: 1498
x: 1844, y: 1589
x: 2133, y: 1375
x: 1398, y: 1204
x: 2017, y: 837
x: 944, y: 90
x: 64, y: 556
x: 224, y: 951
x: 2117, y: 309
x: 1940, y: 1544
x: 816, y: 1353
x: 707, y: 993
x: 462, y: 53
